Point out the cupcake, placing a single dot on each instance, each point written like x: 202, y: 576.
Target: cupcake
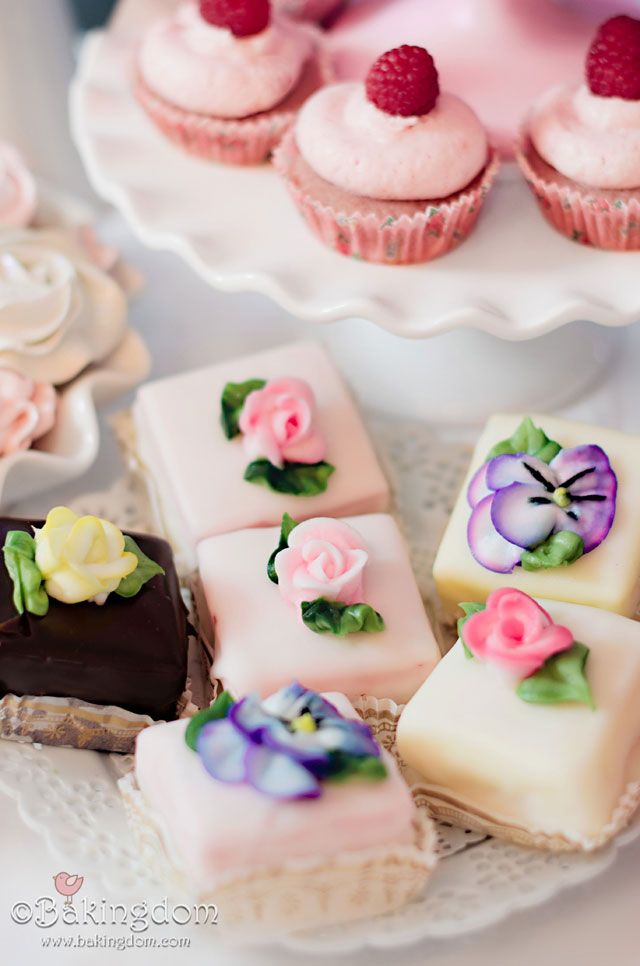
x: 224, y: 80
x: 18, y: 195
x: 580, y: 148
x: 391, y: 170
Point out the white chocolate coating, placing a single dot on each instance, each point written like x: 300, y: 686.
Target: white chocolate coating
x: 556, y: 769
x: 607, y: 578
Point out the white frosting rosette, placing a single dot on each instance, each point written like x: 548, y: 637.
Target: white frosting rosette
x: 58, y: 311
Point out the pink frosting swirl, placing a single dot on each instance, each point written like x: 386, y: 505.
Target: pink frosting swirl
x: 277, y: 423
x: 202, y: 68
x: 18, y: 195
x: 591, y: 139
x: 515, y: 633
x: 350, y: 143
x: 325, y: 558
x: 27, y: 411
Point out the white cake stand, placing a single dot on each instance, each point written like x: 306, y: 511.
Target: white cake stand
x: 513, y: 280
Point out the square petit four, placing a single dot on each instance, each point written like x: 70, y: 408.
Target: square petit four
x: 331, y: 602
x: 237, y: 444
x: 529, y: 728
x: 92, y: 615
x: 549, y: 506
x: 285, y: 812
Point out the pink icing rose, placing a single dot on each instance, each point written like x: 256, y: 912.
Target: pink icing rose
x: 515, y: 632
x: 277, y: 423
x: 27, y: 411
x: 325, y: 558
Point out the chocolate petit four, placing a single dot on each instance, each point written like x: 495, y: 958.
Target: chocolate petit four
x: 238, y: 444
x: 284, y: 812
x: 90, y: 613
x: 331, y: 602
x: 529, y: 728
x: 549, y: 506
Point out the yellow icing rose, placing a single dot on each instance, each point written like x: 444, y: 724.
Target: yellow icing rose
x: 81, y: 558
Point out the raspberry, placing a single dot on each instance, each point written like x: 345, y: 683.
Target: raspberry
x: 242, y: 17
x: 613, y: 62
x: 404, y: 81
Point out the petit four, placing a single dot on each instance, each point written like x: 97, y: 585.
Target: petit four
x: 548, y: 506
x: 529, y: 727
x: 18, y: 192
x: 90, y: 613
x: 285, y: 812
x: 59, y: 312
x: 240, y: 443
x: 580, y: 150
x: 224, y: 80
x: 332, y: 602
x: 391, y: 170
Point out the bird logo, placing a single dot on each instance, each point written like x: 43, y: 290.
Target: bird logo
x: 67, y: 885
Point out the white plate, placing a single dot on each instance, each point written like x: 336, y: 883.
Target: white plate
x: 515, y: 277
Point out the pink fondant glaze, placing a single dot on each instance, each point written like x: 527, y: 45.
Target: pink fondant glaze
x: 27, y: 411
x: 277, y: 423
x: 198, y: 67
x: 515, y: 633
x: 325, y: 558
x: 18, y: 194
x: 350, y: 143
x: 218, y: 831
x: 593, y: 140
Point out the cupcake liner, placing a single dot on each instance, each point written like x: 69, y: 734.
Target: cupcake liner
x: 392, y: 233
x: 591, y: 216
x: 242, y: 141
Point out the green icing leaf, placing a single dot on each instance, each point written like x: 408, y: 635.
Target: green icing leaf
x: 19, y: 557
x: 219, y: 709
x: 233, y: 399
x: 468, y: 608
x: 146, y: 569
x: 560, y: 679
x: 559, y: 550
x: 332, y: 617
x: 298, y: 479
x: 529, y: 439
x: 344, y: 767
x: 288, y: 524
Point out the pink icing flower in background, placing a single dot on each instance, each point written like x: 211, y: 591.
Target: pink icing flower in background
x: 277, y: 423
x: 18, y: 194
x: 27, y: 411
x: 325, y: 558
x: 515, y: 633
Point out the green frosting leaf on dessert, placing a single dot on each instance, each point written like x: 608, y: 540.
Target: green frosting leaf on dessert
x: 298, y: 479
x: 20, y: 560
x: 559, y: 550
x: 332, y: 617
x: 345, y: 767
x: 561, y: 679
x: 528, y: 438
x: 146, y: 569
x: 468, y: 608
x: 219, y: 709
x: 233, y: 399
x: 288, y: 524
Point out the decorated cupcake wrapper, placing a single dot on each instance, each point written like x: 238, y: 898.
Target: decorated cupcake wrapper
x: 244, y: 141
x: 298, y: 894
x: 580, y: 213
x: 430, y: 232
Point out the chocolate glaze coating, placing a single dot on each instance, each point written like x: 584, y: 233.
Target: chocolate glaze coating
x: 130, y: 652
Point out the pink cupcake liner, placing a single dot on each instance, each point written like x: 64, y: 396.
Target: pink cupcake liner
x: 242, y: 141
x: 591, y: 216
x: 391, y: 233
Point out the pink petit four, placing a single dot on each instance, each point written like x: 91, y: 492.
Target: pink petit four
x: 337, y: 607
x: 201, y: 436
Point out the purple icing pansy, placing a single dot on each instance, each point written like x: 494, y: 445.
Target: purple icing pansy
x: 286, y: 745
x: 519, y: 501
